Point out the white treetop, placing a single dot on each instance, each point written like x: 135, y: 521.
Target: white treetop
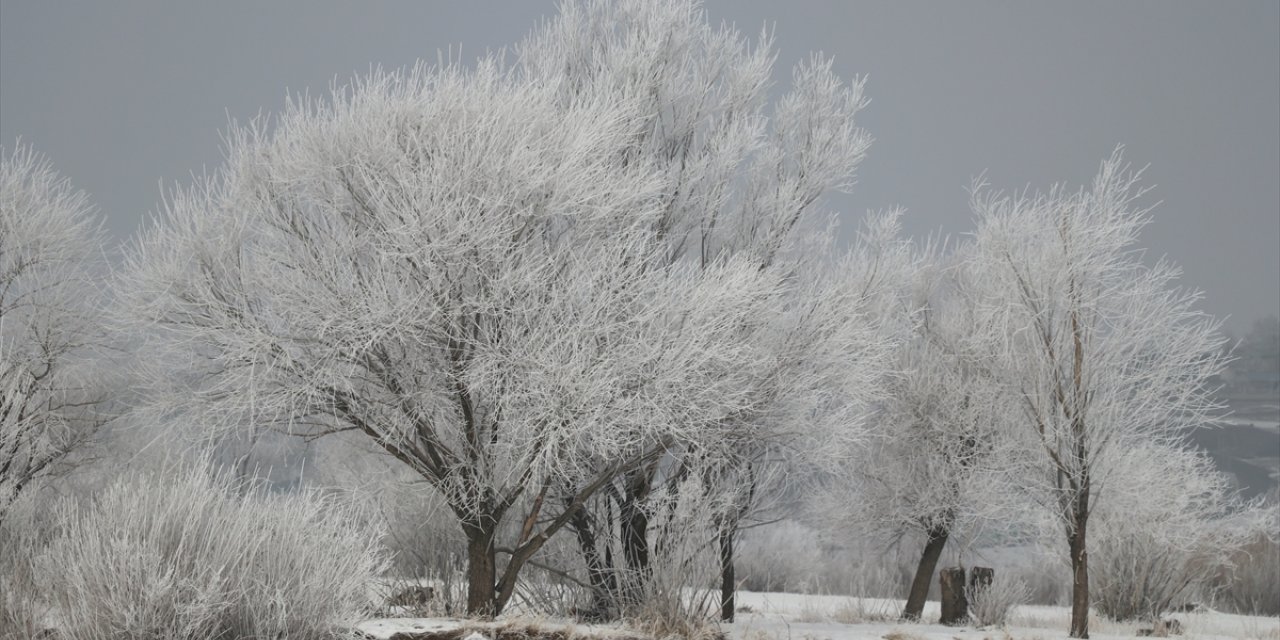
x: 940, y: 459
x: 739, y: 173
x: 740, y: 177
x: 457, y: 265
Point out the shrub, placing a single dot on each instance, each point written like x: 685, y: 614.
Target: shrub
x: 1136, y: 577
x: 194, y: 554
x: 990, y: 605
x: 1251, y: 583
x: 426, y: 545
x: 675, y: 601
x: 21, y: 532
x: 1142, y: 574
x: 1159, y: 548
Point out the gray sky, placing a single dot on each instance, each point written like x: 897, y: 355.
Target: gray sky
x: 123, y: 95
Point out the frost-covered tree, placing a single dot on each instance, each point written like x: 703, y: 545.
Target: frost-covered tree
x: 457, y: 264
x: 829, y: 350
x: 938, y: 466
x: 1101, y: 351
x: 49, y: 244
x: 745, y: 178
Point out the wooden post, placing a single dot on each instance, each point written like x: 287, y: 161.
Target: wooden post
x: 955, y: 607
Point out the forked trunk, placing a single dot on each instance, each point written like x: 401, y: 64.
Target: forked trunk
x: 924, y: 573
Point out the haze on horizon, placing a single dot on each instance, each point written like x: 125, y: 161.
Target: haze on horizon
x: 126, y: 96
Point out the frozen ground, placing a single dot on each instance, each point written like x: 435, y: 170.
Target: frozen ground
x: 384, y: 628
x: 788, y: 616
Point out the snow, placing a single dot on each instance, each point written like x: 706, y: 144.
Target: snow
x: 387, y: 627
x: 782, y: 616
x: 383, y: 629
x: 790, y: 616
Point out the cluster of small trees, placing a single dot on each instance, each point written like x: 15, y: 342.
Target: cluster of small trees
x: 1054, y: 375
x: 571, y: 289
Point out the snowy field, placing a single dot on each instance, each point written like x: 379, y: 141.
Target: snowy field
x: 789, y: 616
x: 786, y: 616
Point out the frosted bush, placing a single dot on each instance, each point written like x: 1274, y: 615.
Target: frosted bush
x: 674, y: 600
x: 1159, y: 550
x: 21, y: 532
x: 426, y: 546
x: 197, y: 555
x: 1140, y: 577
x: 990, y: 605
x: 1250, y: 584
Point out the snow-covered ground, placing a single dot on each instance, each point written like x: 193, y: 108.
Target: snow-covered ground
x: 387, y: 627
x: 789, y: 616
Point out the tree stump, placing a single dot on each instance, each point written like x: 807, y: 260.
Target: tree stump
x: 955, y: 607
x: 980, y: 578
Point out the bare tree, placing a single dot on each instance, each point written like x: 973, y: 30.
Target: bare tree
x: 458, y: 265
x: 1101, y: 350
x: 49, y: 242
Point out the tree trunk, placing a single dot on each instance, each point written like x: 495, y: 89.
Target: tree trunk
x: 598, y: 573
x: 955, y: 606
x: 611, y: 578
x: 635, y: 540
x: 481, y: 570
x: 728, y: 583
x: 1079, y: 576
x: 924, y: 573
x: 634, y: 530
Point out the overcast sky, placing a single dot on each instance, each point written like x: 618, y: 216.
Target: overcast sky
x: 124, y: 95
